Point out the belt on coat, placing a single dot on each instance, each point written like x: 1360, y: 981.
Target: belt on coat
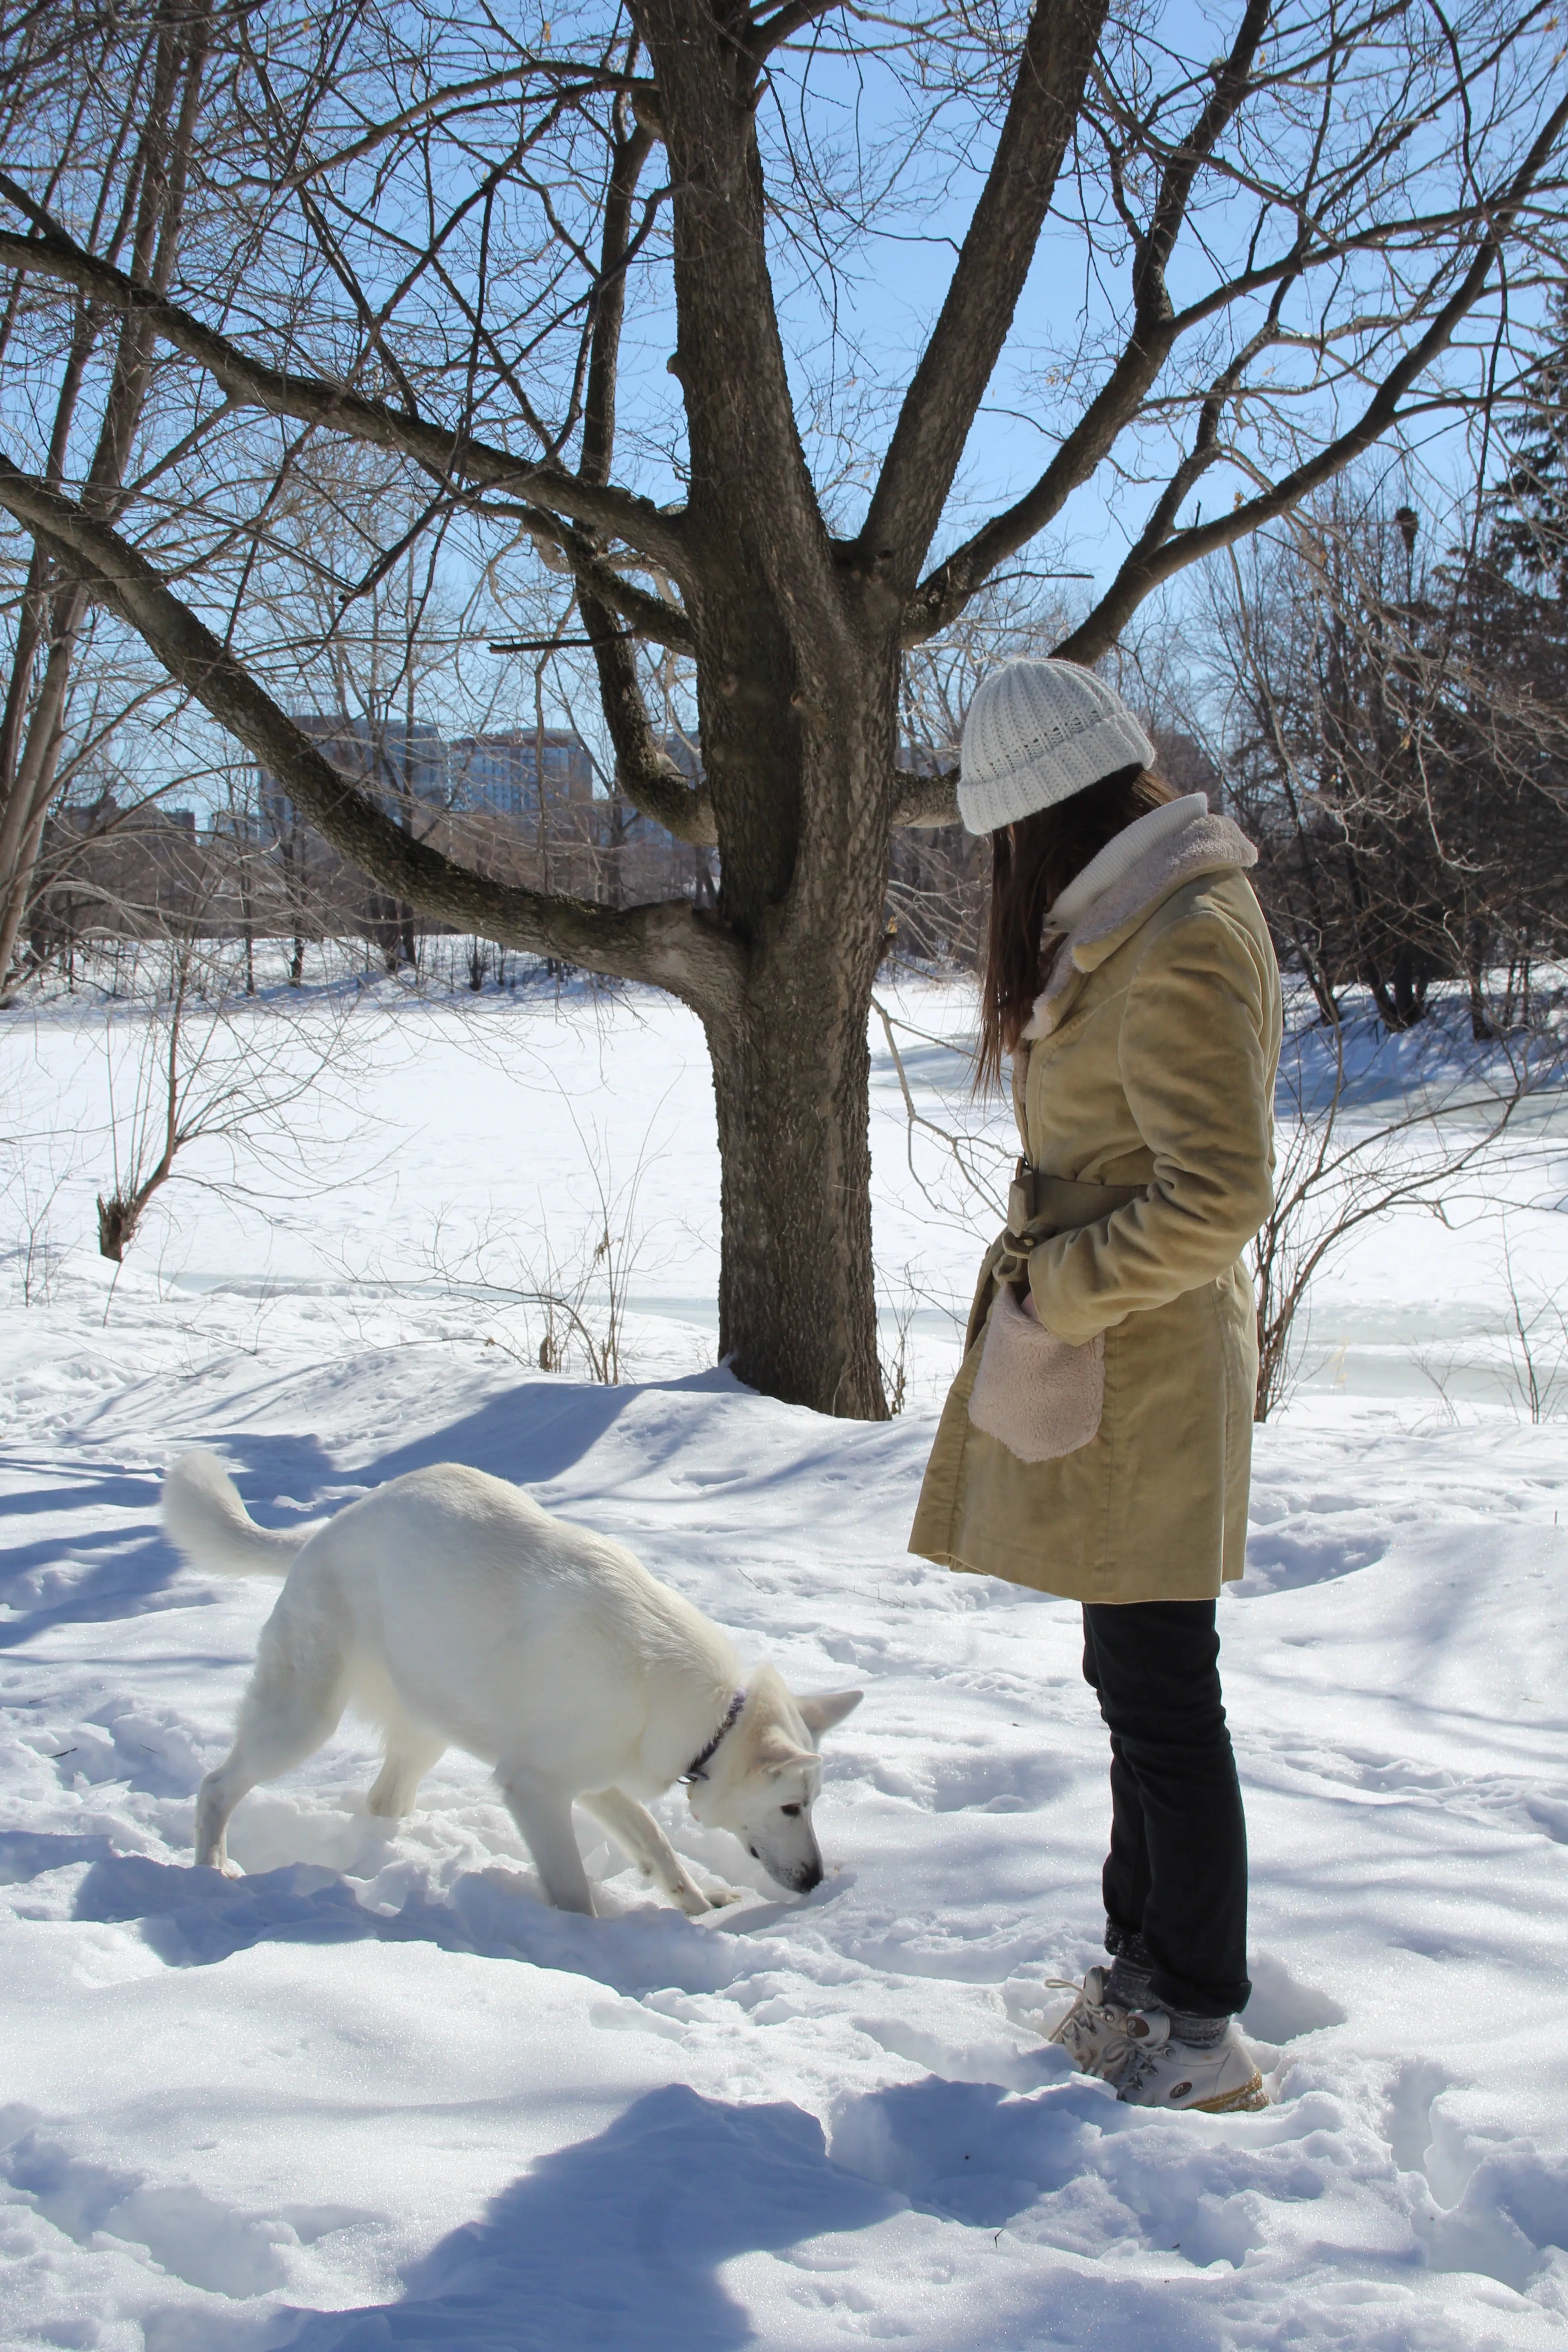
x: 1039, y: 1206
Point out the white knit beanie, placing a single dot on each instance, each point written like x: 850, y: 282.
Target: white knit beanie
x: 1036, y: 733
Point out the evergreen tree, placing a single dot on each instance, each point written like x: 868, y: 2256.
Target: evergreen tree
x: 1531, y: 535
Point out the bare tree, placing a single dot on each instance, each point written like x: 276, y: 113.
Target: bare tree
x: 122, y: 101
x: 38, y: 1159
x: 1275, y: 254
x: 187, y: 1062
x: 1537, y: 1341
x: 575, y: 1293
x: 1395, y: 740
x: 1364, y: 1133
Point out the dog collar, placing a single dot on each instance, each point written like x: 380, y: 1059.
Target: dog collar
x: 697, y: 1768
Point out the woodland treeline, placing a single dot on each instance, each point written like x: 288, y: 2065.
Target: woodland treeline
x: 1381, y: 700
x: 1396, y: 738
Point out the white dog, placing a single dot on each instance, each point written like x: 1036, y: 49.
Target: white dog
x: 453, y: 1612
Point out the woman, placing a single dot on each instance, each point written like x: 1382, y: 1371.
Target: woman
x: 1096, y: 1441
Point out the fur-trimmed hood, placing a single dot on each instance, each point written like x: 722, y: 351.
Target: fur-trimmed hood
x: 1206, y: 845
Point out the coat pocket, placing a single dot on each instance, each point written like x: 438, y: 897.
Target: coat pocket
x: 1034, y: 1393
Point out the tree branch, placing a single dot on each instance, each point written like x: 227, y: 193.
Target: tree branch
x: 574, y: 82
x: 630, y: 151
x: 666, y: 943
x: 250, y: 383
x: 923, y: 800
x: 1158, y: 553
x: 645, y: 773
x: 768, y: 32
x: 938, y: 408
x: 650, y: 615
x: 1156, y: 327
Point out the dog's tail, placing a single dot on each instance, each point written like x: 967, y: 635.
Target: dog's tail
x: 204, y: 1514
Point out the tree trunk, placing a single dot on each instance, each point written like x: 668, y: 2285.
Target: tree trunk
x: 791, y: 1062
x: 1483, y: 1028
x: 797, y: 1307
x: 31, y: 783
x: 33, y: 727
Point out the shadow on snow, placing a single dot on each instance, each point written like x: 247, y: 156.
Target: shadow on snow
x: 616, y: 2243
x: 528, y: 1435
x: 195, y: 1918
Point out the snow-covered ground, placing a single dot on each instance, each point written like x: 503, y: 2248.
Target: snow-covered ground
x: 373, y: 2094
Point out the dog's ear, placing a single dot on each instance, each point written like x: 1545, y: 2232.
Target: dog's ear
x: 828, y: 1708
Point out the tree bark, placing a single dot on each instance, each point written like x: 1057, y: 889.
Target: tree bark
x: 797, y: 1309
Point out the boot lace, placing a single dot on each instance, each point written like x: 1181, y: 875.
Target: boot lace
x: 1093, y: 2032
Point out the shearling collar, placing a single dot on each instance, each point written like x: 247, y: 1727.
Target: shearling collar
x: 1208, y: 845
x: 1121, y: 853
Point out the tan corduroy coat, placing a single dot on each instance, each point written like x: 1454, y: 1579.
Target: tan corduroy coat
x: 1151, y: 1060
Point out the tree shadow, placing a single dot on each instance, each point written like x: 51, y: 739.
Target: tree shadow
x: 536, y: 1432
x: 119, y: 1489
x: 527, y: 1435
x: 616, y: 2243
x: 27, y: 1854
x: 127, y: 1569
x: 132, y: 1578
x: 974, y: 2152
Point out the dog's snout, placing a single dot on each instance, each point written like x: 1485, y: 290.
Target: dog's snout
x: 807, y: 1877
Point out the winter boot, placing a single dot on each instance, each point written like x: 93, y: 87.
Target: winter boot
x: 1150, y: 2070
x: 1094, y: 2030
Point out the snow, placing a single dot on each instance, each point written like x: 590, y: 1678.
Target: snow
x: 373, y: 2094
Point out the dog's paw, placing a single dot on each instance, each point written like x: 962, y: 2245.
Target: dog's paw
x: 718, y: 1896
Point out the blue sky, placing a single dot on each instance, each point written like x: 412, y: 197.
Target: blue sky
x: 855, y: 331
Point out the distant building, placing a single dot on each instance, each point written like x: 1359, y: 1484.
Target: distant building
x: 239, y: 824
x: 110, y: 871
x: 521, y: 804
x: 393, y: 758
x: 500, y: 774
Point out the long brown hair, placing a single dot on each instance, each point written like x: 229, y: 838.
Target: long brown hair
x: 1032, y: 862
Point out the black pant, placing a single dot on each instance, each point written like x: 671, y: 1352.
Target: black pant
x: 1176, y: 1882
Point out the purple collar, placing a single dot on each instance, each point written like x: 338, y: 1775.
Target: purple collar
x: 697, y: 1768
